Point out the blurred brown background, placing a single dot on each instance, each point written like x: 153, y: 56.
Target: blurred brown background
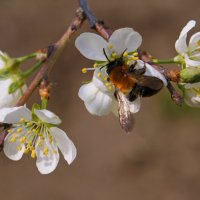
x: 159, y: 160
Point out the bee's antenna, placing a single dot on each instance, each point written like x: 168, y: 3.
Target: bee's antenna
x: 106, y: 55
x: 123, y: 52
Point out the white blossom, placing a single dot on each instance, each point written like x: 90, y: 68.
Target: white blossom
x: 38, y: 134
x: 98, y: 95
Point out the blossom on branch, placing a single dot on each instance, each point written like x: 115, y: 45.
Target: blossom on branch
x: 99, y: 95
x: 38, y: 134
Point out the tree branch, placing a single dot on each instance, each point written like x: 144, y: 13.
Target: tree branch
x: 54, y: 52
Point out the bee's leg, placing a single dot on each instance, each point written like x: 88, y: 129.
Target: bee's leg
x: 176, y: 97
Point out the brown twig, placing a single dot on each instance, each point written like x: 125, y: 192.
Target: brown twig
x: 55, y: 51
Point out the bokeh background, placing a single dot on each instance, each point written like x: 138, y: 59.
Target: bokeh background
x: 160, y: 159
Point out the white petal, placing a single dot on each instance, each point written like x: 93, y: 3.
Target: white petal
x: 48, y: 116
x: 194, y: 39
x: 91, y: 46
x: 99, y: 83
x: 46, y: 163
x: 65, y: 145
x: 6, y: 99
x: 101, y: 105
x: 191, y: 63
x: 150, y: 71
x: 13, y: 115
x: 191, y: 98
x: 135, y: 105
x: 181, y: 45
x: 87, y: 92
x: 11, y: 148
x: 125, y: 39
x: 192, y: 85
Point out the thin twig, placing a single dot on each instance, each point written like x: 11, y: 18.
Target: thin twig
x: 55, y: 52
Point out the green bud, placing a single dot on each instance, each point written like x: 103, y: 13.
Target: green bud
x: 190, y: 75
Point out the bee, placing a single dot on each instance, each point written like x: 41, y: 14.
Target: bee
x: 130, y: 83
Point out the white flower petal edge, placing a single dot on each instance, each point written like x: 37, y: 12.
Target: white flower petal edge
x: 47, y: 163
x: 181, y: 43
x: 125, y: 39
x: 91, y: 46
x: 48, y: 116
x: 2, y: 62
x: 11, y: 149
x: 13, y: 115
x: 135, y: 105
x: 65, y: 145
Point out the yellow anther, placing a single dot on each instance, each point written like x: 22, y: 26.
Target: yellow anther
x: 29, y: 123
x: 84, y: 70
x: 34, y: 130
x: 46, y: 151
x: 50, y: 138
x: 31, y: 148
x: 13, y: 138
x: 135, y: 54
x: 136, y: 58
x: 198, y: 43
x: 29, y: 132
x: 22, y: 120
x: 110, y: 88
x: 10, y: 130
x: 125, y: 54
x: 99, y: 75
x: 23, y: 140
x: 39, y: 143
x: 107, y: 84
x: 26, y: 151
x: 114, y: 55
x: 19, y: 130
x: 95, y: 65
x: 128, y: 62
x: 105, y: 78
x: 33, y: 154
x: 19, y: 148
x: 30, y: 143
x: 110, y: 46
x: 55, y: 151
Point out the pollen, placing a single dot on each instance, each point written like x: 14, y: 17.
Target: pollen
x: 13, y: 138
x: 114, y: 55
x: 110, y: 46
x: 105, y: 78
x: 125, y: 54
x: 26, y: 151
x: 136, y: 58
x: 95, y: 65
x: 110, y: 88
x: 128, y: 62
x: 107, y: 84
x: 22, y: 120
x: 135, y: 54
x: 19, y: 130
x: 19, y: 148
x: 46, y: 151
x: 99, y: 75
x: 33, y: 154
x: 23, y: 140
x: 10, y: 130
x: 84, y: 70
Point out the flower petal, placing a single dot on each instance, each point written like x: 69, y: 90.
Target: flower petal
x: 65, y: 145
x: 191, y: 63
x: 87, y: 92
x: 101, y: 105
x: 13, y: 115
x: 46, y: 163
x: 191, y: 98
x: 11, y: 148
x: 135, y: 105
x: 6, y: 99
x: 194, y: 40
x: 150, y: 71
x: 91, y: 46
x: 47, y: 116
x: 181, y: 45
x: 125, y: 39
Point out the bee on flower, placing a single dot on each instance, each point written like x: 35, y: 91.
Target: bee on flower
x: 36, y: 133
x: 120, y: 78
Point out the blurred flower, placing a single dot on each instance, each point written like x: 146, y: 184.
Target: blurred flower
x: 9, y: 81
x: 98, y: 95
x: 36, y: 133
x: 189, y: 54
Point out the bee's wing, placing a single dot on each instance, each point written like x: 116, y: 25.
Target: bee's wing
x: 148, y: 85
x: 125, y: 116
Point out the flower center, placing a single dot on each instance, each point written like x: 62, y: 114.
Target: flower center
x: 30, y: 135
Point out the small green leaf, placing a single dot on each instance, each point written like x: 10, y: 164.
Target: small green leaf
x: 15, y: 86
